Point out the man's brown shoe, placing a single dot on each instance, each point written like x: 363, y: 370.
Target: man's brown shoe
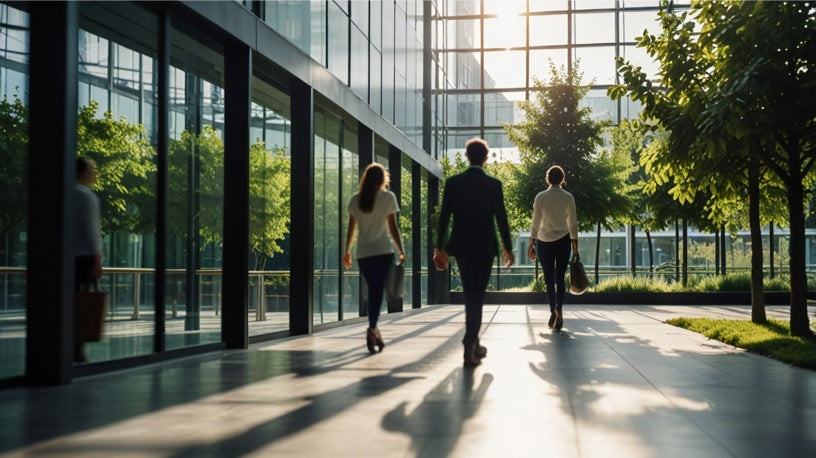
x: 551, y: 323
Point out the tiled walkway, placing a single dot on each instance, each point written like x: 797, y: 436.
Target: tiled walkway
x: 616, y: 381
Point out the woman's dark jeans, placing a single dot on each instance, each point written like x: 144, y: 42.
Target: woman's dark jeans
x: 374, y: 270
x: 554, y: 258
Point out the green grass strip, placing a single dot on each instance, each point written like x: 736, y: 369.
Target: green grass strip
x: 771, y: 339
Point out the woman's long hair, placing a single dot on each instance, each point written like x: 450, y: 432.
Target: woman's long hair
x: 373, y: 179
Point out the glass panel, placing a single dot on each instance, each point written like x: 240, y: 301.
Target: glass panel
x: 509, y: 30
x: 594, y: 28
x: 269, y: 209
x: 424, y: 222
x: 540, y: 61
x: 597, y: 64
x: 602, y: 106
x: 592, y: 4
x: 630, y: 109
x: 464, y: 34
x: 640, y: 3
x: 120, y: 139
x: 326, y: 217
x: 350, y: 179
x: 302, y: 22
x: 456, y: 142
x: 639, y: 57
x: 501, y: 148
x: 389, y: 57
x: 548, y: 5
x: 548, y: 30
x: 504, y: 69
x: 500, y: 108
x: 464, y: 110
x: 406, y: 223
x: 195, y: 194
x: 14, y: 47
x: 359, y: 14
x: 375, y: 79
x: 400, y: 43
x: 359, y: 63
x: 375, y: 34
x: 632, y: 24
x: 338, y: 42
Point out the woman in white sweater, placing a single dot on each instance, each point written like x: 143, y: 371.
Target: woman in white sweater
x: 555, y: 224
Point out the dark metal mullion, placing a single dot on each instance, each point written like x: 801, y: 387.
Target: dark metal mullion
x: 570, y: 47
x: 52, y: 132
x: 237, y: 116
x: 162, y: 87
x: 341, y: 146
x: 395, y: 170
x: 527, y: 52
x: 482, y: 70
x: 301, y: 279
x: 416, y: 234
x: 617, y: 54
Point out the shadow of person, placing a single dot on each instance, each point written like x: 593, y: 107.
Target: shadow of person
x: 442, y: 413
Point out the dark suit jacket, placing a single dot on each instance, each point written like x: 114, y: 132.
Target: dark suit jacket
x: 475, y: 200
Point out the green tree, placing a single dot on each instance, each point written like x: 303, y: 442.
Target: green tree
x: 13, y: 165
x: 557, y: 131
x: 708, y: 99
x: 125, y: 161
x: 269, y: 201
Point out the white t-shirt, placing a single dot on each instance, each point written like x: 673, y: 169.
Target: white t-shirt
x: 372, y: 235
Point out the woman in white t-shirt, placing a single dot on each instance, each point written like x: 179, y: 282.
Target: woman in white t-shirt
x: 373, y: 211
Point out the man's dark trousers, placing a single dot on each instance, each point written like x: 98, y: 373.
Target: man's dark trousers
x: 475, y: 272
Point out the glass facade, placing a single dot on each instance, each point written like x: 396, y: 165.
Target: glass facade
x: 269, y: 208
x: 115, y: 128
x: 14, y: 52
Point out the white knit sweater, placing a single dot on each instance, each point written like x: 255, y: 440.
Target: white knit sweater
x: 554, y: 215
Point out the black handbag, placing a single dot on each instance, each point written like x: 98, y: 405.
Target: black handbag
x: 578, y: 278
x: 395, y: 282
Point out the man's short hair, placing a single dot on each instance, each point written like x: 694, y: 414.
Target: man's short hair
x: 476, y: 150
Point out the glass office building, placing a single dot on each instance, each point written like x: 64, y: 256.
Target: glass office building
x: 229, y: 137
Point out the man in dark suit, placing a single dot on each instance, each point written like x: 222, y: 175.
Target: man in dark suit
x: 475, y: 200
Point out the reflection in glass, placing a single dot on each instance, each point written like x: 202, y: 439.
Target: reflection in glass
x: 269, y: 209
x: 195, y: 195
x: 424, y: 221
x: 633, y: 23
x: 350, y: 179
x: 13, y: 170
x: 303, y: 22
x: 338, y: 42
x: 115, y: 130
x: 406, y: 224
x: 327, y: 128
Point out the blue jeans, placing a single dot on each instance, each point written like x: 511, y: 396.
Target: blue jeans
x: 554, y: 258
x: 374, y: 270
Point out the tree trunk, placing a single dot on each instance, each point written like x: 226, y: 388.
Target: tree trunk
x: 651, y: 255
x: 685, y: 252
x: 771, y: 247
x: 723, y: 252
x: 716, y: 252
x: 676, y: 250
x: 799, y: 323
x: 757, y: 287
x: 632, y: 250
x: 597, y: 252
